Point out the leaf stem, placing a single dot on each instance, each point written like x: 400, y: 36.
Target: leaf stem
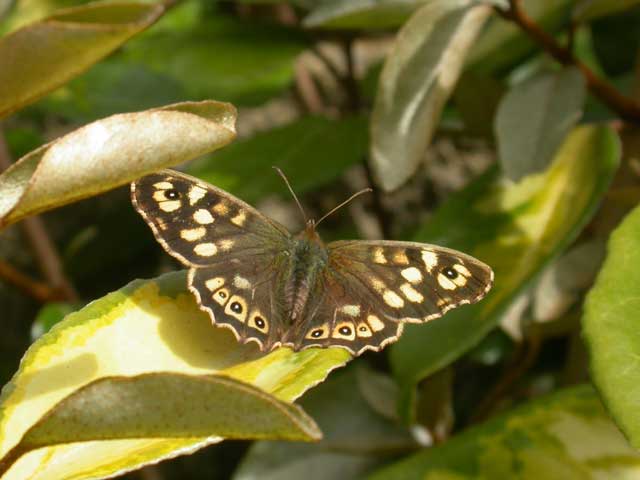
x: 626, y: 107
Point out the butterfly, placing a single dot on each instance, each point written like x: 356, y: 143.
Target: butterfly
x: 252, y: 276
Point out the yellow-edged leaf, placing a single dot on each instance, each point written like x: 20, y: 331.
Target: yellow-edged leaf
x: 148, y: 326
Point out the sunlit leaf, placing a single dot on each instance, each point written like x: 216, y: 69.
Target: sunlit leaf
x: 534, y: 118
x: 610, y: 327
x: 564, y: 435
x: 416, y: 81
x: 517, y: 228
x: 311, y: 151
x: 42, y: 56
x: 147, y: 327
x: 111, y: 152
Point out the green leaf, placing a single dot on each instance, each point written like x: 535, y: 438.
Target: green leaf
x: 588, y: 10
x: 417, y: 78
x: 361, y: 14
x: 110, y: 87
x: 552, y: 104
x: 112, y: 152
x: 42, y: 56
x: 516, y: 228
x: 155, y: 332
x: 221, y: 57
x: 610, y: 327
x: 356, y: 438
x: 311, y: 151
x: 566, y: 435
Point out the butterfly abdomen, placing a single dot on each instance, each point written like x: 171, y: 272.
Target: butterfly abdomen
x: 308, y: 259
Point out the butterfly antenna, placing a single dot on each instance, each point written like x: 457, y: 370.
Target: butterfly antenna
x: 304, y: 215
x: 357, y: 194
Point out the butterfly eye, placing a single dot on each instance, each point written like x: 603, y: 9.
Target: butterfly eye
x: 171, y: 194
x: 316, y: 333
x: 237, y: 308
x: 450, y: 273
x: 259, y: 321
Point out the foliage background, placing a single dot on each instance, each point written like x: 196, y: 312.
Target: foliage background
x: 506, y: 129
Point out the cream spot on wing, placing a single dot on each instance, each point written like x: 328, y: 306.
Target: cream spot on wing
x: 378, y: 256
x: 163, y: 185
x: 462, y: 270
x: 442, y: 302
x: 158, y: 196
x: 351, y: 310
x: 241, y: 282
x: 239, y: 219
x: 400, y: 257
x: 412, y: 274
x: 377, y: 284
x: 170, y: 206
x: 375, y: 323
x: 192, y: 234
x: 392, y: 299
x: 221, y: 208
x: 411, y: 294
x: 196, y: 194
x: 363, y: 330
x: 221, y: 296
x: 161, y: 223
x: 205, y: 249
x: 445, y: 282
x: 344, y: 330
x: 257, y: 321
x: 237, y: 308
x: 203, y: 217
x: 430, y: 259
x: 214, y: 283
x: 318, y: 333
x: 460, y: 281
x: 226, y: 245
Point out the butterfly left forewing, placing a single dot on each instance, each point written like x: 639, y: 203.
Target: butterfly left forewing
x: 230, y: 247
x: 372, y: 288
x: 200, y: 224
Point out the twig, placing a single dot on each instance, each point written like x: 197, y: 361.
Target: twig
x: 349, y: 80
x: 307, y: 90
x: 327, y: 63
x: 38, y: 290
x: 44, y: 249
x: 624, y: 106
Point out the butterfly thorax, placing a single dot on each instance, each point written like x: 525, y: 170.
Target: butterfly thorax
x: 308, y: 257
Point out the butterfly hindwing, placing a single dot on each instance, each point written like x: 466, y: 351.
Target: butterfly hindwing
x: 375, y: 287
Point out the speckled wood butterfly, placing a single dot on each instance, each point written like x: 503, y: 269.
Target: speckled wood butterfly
x: 276, y: 289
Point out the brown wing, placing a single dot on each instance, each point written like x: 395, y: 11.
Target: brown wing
x: 370, y: 289
x: 230, y: 247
